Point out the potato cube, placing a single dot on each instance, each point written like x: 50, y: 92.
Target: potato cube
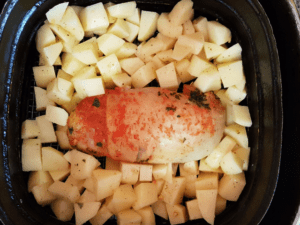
x: 64, y: 190
x: 203, y: 166
x: 223, y: 98
x: 243, y: 154
x: 191, y: 167
x: 177, y: 213
x: 238, y: 133
x: 122, y: 80
x: 165, y: 56
x: 101, y: 217
x: 76, y: 182
x: 131, y: 65
x: 181, y: 12
x: 128, y: 216
x: 133, y: 31
x: 169, y: 174
x: 37, y: 178
x: 173, y: 193
x: 87, y: 196
x: 206, y: 181
x: 198, y: 65
x: 130, y: 173
x: 193, y: 209
x: 157, y: 62
x: 105, y: 182
x: 109, y: 43
x: 126, y: 50
x: 82, y: 164
x: 44, y: 37
x: 168, y: 42
x: 70, y: 106
x: 225, y: 146
x: 235, y: 95
x: 145, y: 172
x: 181, y: 68
x: 165, y: 27
x: 148, y: 25
x: 195, y: 41
x: 89, y: 87
x: 63, y: 140
x: 70, y: 64
x: 135, y: 17
x: 47, y: 134
x: 159, y: 208
x: 231, y: 164
x: 62, y: 74
x: 167, y: 77
x: 231, y: 73
x: 51, y: 53
x: 57, y: 115
x: 55, y: 14
x: 43, y: 75
x: 111, y: 164
x: 41, y: 99
x: 190, y: 188
x: 109, y: 66
x: 85, y: 73
x: 208, y: 80
x: 181, y: 51
x: 231, y: 186
x: 63, y: 209
x: 85, y: 211
x: 212, y: 50
x: 234, y: 53
x: 122, y: 10
x: 60, y: 91
x: 159, y: 185
x: 60, y: 174
x: 42, y: 195
x: 147, y: 215
x: 159, y: 171
x: 30, y: 129
x: 146, y: 50
x: 218, y: 33
x: 146, y: 194
x: 123, y: 198
x: 120, y: 28
x: 188, y: 27
x: 94, y: 17
x: 144, y: 75
x: 89, y: 184
x: 241, y: 115
x: 200, y: 24
x: 207, y: 204
x: 220, y: 204
x: 53, y: 159
x: 86, y: 53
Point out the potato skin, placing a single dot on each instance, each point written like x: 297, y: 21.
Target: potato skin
x: 148, y: 124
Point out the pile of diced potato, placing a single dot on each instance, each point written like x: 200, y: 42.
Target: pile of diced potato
x: 92, y: 49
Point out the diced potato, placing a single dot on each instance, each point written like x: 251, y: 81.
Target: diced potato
x: 55, y: 14
x: 70, y: 106
x: 42, y: 195
x: 109, y: 43
x: 220, y: 204
x: 53, y: 159
x: 235, y: 95
x: 200, y: 24
x: 105, y: 182
x: 62, y: 128
x: 159, y: 208
x: 94, y: 17
x: 191, y: 167
x: 152, y: 46
x: 223, y: 98
x: 70, y: 22
x: 243, y: 154
x: 41, y: 99
x: 144, y: 75
x: 135, y: 18
x: 89, y: 184
x: 147, y: 215
x: 218, y: 33
x: 168, y: 42
x: 76, y: 182
x: 177, y: 213
x: 165, y: 27
x: 238, y: 133
x: 167, y: 77
x: 70, y: 64
x: 60, y: 91
x: 131, y: 65
x: 231, y: 73
x: 109, y: 66
x: 145, y: 173
x: 62, y: 74
x: 173, y: 193
x: 234, y: 53
x: 175, y: 167
x: 120, y: 28
x: 122, y: 80
x: 241, y: 115
x: 87, y: 196
x: 206, y: 168
x: 85, y: 73
x: 47, y: 134
x: 133, y: 31
x: 51, y: 53
x: 37, y: 178
x: 130, y: 173
x: 146, y: 194
x: 166, y: 56
x: 122, y: 10
x: 44, y: 37
x: 82, y: 164
x: 159, y: 185
x: 231, y: 164
x: 207, y: 204
x: 56, y: 115
x: 86, y: 53
x: 109, y: 204
x: 208, y: 80
x: 63, y: 140
x: 206, y: 181
x: 181, y: 51
x: 85, y: 211
x: 159, y: 171
x: 63, y: 209
x: 231, y: 186
x: 190, y: 188
x: 29, y: 129
x: 111, y: 164
x: 157, y: 62
x: 181, y: 68
x: 229, y: 114
x: 148, y: 25
x: 198, y: 65
x: 225, y: 146
x: 64, y: 190
x: 101, y: 217
x: 90, y: 87
x: 111, y: 19
x: 195, y: 41
x: 128, y: 216
x: 126, y: 50
x: 60, y: 174
x: 123, y: 198
x: 43, y: 75
x: 212, y: 50
x: 192, y: 207
x: 181, y: 12
x: 169, y: 175
x: 188, y: 27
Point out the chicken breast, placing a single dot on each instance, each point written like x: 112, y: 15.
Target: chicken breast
x: 152, y: 125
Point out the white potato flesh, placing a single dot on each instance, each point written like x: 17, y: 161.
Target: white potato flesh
x: 225, y: 146
x: 208, y: 80
x: 160, y: 209
x: 30, y: 129
x: 63, y: 139
x: 44, y: 37
x: 31, y: 155
x: 159, y: 171
x: 63, y: 209
x: 148, y: 25
x: 42, y: 195
x: 231, y: 73
x: 241, y: 115
x: 200, y: 24
x: 231, y: 163
x: 55, y: 14
x: 51, y: 53
x: 198, y: 65
x: 181, y: 51
x: 55, y: 88
x: 77, y: 9
x: 133, y: 31
x: 191, y: 167
x: 231, y: 186
x: 122, y: 10
x: 157, y: 62
x: 62, y: 74
x: 123, y: 198
x: 127, y: 49
x: 122, y: 80
x: 144, y: 75
x: 188, y: 27
x: 167, y: 77
x: 64, y: 190
x: 57, y: 115
x: 109, y: 43
x: 181, y: 68
x: 207, y: 181
x: 47, y: 134
x: 159, y: 185
x: 203, y: 166
x: 220, y: 204
x: 37, y: 178
x: 119, y: 28
x: 238, y: 133
x: 111, y: 164
x: 128, y: 216
x: 111, y: 19
x: 166, y: 56
x: 190, y: 188
x: 173, y: 193
x: 243, y: 154
x: 177, y: 214
x: 43, y: 75
x: 86, y: 53
x: 235, y: 95
x: 168, y: 42
x: 223, y: 98
x: 212, y: 50
x: 131, y: 65
x: 234, y: 53
x: 181, y: 12
x: 229, y: 114
x: 145, y: 173
x: 85, y: 73
x: 130, y: 172
x: 193, y: 209
x: 87, y: 196
x: 76, y: 182
x: 218, y: 33
x: 53, y: 159
x: 101, y: 217
x: 85, y: 211
x: 147, y: 215
x: 165, y: 27
x: 70, y: 64
x: 146, y: 194
x: 94, y: 17
x: 60, y: 174
x: 169, y: 175
x: 195, y: 41
x: 207, y: 204
x: 135, y: 18
x: 89, y: 184
x: 152, y: 46
x: 70, y: 106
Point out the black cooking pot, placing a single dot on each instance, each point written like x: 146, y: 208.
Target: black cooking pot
x: 250, y: 27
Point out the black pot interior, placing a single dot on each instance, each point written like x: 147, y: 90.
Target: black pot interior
x: 250, y: 27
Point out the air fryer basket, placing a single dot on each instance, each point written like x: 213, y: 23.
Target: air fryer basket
x: 250, y: 27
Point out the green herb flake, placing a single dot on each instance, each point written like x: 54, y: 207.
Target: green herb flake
x: 177, y: 96
x: 159, y: 94
x: 171, y: 108
x: 99, y: 144
x: 184, y: 139
x: 71, y: 130
x: 80, y: 205
x: 178, y: 116
x: 199, y: 99
x: 96, y: 103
